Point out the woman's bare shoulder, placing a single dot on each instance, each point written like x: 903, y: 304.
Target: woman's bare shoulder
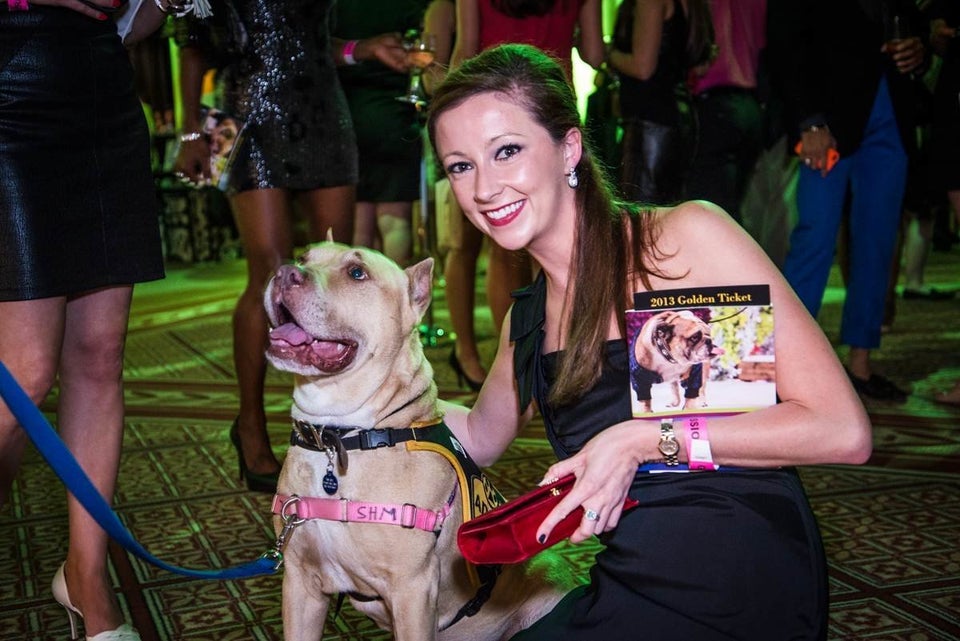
x: 698, y: 236
x: 695, y: 220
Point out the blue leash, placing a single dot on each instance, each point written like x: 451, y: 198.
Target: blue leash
x: 53, y: 450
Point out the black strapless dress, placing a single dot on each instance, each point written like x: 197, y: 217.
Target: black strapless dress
x: 78, y: 210
x: 707, y: 556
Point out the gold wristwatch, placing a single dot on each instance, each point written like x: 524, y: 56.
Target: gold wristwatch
x: 668, y: 445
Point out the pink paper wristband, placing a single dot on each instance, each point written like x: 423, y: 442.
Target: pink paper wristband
x: 697, y: 440
x: 17, y: 5
x: 347, y: 52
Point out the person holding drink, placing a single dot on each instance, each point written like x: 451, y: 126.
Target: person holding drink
x: 389, y: 143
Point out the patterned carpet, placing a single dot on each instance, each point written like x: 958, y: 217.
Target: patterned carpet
x: 891, y: 527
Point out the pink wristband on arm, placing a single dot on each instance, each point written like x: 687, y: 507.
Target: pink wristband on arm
x: 17, y: 5
x: 697, y: 440
x: 347, y: 52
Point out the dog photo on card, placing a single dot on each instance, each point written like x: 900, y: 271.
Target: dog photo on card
x: 702, y: 350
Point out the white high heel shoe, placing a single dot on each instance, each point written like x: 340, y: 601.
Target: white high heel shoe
x: 59, y: 588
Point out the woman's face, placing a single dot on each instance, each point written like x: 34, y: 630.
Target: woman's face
x: 507, y: 173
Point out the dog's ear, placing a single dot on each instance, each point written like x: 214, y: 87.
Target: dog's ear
x: 420, y: 277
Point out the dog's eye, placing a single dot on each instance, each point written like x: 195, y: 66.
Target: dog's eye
x: 696, y: 338
x: 357, y: 273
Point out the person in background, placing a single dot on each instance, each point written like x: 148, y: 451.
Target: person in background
x: 79, y: 227
x: 277, y: 67
x: 728, y: 110
x: 556, y: 26
x: 440, y: 22
x: 683, y: 565
x: 844, y: 69
x: 656, y: 45
x: 944, y: 142
x: 945, y: 132
x: 465, y: 242
x: 389, y: 142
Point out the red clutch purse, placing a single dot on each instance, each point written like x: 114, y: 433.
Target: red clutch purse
x: 508, y: 534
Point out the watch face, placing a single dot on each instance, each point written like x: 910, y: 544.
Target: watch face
x: 669, y: 447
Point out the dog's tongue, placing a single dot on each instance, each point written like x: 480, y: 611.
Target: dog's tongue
x: 291, y: 333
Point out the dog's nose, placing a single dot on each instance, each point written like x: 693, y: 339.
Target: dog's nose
x: 290, y: 275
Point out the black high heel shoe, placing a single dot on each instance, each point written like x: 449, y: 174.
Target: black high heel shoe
x: 255, y: 482
x: 462, y: 378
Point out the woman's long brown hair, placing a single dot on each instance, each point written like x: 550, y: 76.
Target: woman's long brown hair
x: 615, y: 242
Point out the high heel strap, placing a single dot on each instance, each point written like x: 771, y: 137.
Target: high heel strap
x: 60, y: 593
x: 462, y: 378
x: 124, y: 633
x: 62, y: 596
x: 256, y: 482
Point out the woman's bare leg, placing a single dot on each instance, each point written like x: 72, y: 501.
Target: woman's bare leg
x: 329, y: 209
x: 365, y: 232
x: 460, y: 274
x: 394, y: 226
x: 33, y: 363
x: 91, y: 418
x: 264, y: 220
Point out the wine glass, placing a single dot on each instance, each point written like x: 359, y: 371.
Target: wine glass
x: 420, y: 53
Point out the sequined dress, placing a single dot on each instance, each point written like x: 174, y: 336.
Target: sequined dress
x: 283, y: 83
x: 707, y: 556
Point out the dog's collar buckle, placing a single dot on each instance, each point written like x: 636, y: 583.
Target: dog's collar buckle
x: 325, y: 438
x: 375, y: 438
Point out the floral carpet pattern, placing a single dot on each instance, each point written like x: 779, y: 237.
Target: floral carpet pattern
x: 891, y: 527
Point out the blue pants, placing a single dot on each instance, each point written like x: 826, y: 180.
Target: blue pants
x: 876, y: 175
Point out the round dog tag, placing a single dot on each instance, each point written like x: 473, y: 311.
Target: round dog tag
x: 330, y: 483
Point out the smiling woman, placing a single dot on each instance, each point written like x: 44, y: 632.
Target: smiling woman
x: 524, y: 174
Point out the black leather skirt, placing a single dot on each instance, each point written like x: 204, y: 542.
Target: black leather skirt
x: 655, y: 160
x: 78, y: 209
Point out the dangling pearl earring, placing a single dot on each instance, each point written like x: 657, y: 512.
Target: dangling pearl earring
x: 572, y: 179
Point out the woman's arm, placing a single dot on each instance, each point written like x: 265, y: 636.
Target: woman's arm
x: 468, y: 32
x: 193, y: 154
x: 146, y: 19
x: 648, y: 19
x: 440, y: 20
x: 819, y: 420
x: 386, y: 48
x: 591, y: 47
x: 488, y: 428
x: 80, y: 7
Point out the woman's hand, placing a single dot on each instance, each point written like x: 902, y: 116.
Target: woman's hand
x: 87, y: 8
x: 907, y: 54
x: 193, y: 161
x: 605, y: 469
x: 387, y: 48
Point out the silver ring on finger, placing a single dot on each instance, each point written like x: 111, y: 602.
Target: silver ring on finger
x: 591, y: 515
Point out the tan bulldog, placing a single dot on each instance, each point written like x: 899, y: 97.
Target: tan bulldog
x: 667, y: 349
x: 345, y: 322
